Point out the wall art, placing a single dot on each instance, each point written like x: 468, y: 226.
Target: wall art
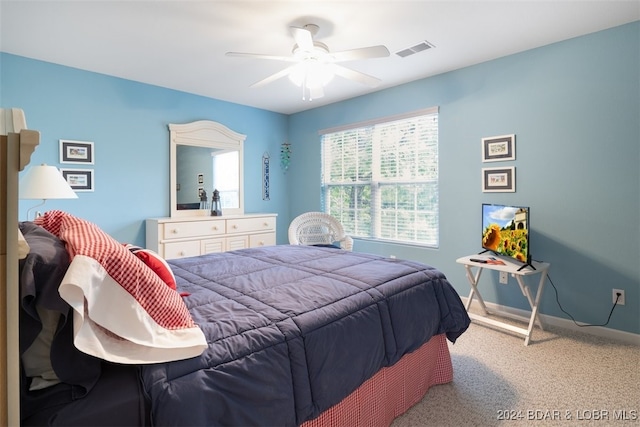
x: 265, y: 176
x: 76, y: 152
x: 499, y: 180
x: 499, y: 148
x: 79, y: 179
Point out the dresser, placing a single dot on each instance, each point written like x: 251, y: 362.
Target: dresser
x: 191, y: 236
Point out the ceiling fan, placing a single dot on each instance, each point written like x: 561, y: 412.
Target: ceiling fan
x: 314, y: 65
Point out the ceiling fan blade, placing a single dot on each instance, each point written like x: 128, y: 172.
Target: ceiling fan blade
x: 357, y: 76
x: 261, y: 56
x: 302, y: 37
x: 273, y: 77
x: 361, y: 53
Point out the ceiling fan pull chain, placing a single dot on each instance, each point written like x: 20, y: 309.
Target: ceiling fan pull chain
x: 304, y: 87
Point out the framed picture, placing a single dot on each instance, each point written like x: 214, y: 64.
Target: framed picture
x: 79, y: 179
x: 499, y: 148
x: 499, y: 180
x: 76, y: 152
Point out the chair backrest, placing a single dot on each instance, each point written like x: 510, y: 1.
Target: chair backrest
x: 318, y: 228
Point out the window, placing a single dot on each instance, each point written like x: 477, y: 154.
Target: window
x: 381, y: 179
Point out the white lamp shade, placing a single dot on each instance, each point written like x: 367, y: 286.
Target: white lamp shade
x: 45, y: 182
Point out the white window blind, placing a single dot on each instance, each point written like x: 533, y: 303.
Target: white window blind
x: 380, y: 179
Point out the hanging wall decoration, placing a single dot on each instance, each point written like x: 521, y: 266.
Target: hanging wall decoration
x: 499, y: 180
x: 499, y: 148
x: 79, y: 179
x: 285, y: 155
x: 265, y: 176
x: 76, y: 152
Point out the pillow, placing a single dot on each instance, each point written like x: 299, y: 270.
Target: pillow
x: 36, y: 360
x: 155, y: 262
x: 46, y: 337
x: 123, y: 311
x: 23, y: 246
x: 41, y: 271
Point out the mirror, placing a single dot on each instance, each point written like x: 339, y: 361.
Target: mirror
x: 204, y: 156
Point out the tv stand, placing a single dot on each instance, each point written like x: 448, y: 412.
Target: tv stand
x: 516, y: 270
x: 527, y: 264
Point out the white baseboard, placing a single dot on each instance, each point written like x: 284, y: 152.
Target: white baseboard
x: 599, y: 331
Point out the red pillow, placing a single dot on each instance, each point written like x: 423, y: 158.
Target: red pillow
x: 156, y: 263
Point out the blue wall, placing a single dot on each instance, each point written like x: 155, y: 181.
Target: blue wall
x: 574, y: 107
x: 127, y: 121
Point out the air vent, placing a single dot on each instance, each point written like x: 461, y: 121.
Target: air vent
x: 423, y: 45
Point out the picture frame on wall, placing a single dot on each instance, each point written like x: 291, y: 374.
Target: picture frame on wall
x: 76, y: 152
x: 499, y: 180
x: 499, y: 148
x: 79, y: 179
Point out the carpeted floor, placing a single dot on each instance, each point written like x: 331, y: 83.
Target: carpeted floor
x: 562, y: 378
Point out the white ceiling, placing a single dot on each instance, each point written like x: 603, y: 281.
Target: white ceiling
x: 182, y: 44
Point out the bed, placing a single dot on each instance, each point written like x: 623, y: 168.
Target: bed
x: 285, y: 335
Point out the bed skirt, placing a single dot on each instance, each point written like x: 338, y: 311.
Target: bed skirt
x: 393, y: 390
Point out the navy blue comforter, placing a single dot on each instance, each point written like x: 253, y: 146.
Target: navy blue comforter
x: 292, y: 330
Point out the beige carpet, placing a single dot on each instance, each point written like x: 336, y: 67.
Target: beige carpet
x: 562, y: 378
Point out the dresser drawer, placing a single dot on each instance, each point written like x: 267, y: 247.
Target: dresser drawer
x: 248, y: 225
x: 209, y: 246
x: 237, y: 242
x: 262, y: 239
x: 181, y: 230
x: 181, y: 249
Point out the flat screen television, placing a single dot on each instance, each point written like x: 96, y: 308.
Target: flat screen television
x: 505, y: 231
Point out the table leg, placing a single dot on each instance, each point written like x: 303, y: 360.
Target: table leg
x: 534, y: 308
x: 473, y: 280
x: 533, y: 304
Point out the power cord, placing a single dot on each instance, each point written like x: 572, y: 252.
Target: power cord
x: 574, y: 320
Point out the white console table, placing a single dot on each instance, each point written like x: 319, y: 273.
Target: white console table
x: 514, y: 269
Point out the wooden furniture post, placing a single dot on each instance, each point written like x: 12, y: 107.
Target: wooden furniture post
x: 9, y: 366
x: 15, y: 153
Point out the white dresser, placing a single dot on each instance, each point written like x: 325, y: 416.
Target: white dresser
x: 192, y: 236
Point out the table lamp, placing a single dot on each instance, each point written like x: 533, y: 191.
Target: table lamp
x: 44, y: 182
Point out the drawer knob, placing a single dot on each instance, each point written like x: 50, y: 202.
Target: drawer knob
x: 215, y: 228
x: 174, y: 231
x: 235, y: 226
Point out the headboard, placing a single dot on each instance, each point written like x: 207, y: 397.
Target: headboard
x: 16, y: 146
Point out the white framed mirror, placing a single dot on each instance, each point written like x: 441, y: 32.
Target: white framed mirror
x: 205, y: 155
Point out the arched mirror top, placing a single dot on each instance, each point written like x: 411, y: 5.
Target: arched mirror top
x: 204, y: 156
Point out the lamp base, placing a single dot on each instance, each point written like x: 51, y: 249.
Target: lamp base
x: 38, y: 213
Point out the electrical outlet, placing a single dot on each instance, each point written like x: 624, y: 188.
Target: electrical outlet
x: 621, y: 299
x: 504, y: 277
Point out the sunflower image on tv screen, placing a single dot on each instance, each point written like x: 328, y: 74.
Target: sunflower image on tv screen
x: 505, y: 231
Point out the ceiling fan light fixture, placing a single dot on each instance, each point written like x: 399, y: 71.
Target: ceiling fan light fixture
x: 314, y: 93
x: 312, y: 73
x: 315, y: 66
